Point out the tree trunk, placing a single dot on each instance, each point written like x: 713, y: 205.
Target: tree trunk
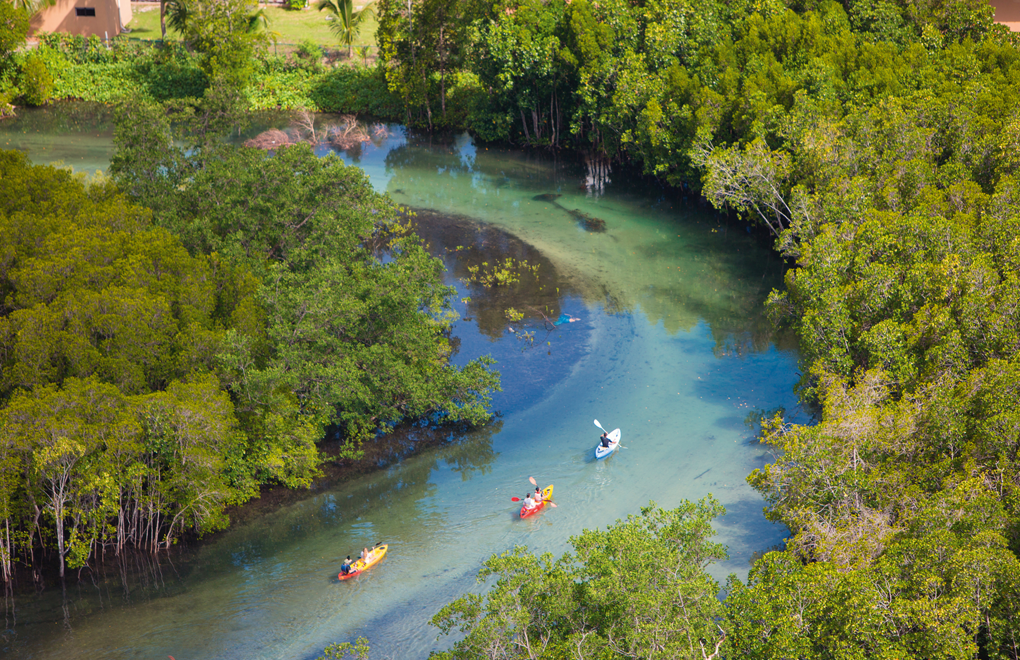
x: 442, y: 72
x: 162, y: 18
x: 58, y: 513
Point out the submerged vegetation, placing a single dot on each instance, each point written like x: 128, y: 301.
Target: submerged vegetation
x: 162, y: 362
x: 175, y: 338
x: 876, y: 142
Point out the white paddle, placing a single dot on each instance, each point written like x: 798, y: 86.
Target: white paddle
x: 605, y: 431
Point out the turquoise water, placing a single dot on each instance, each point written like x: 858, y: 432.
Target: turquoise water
x: 670, y: 346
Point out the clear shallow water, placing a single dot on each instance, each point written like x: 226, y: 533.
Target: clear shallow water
x: 670, y: 346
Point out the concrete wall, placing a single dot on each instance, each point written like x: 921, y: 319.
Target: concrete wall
x: 111, y: 16
x: 1007, y: 12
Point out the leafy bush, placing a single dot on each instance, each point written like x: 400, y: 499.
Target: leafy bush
x: 13, y: 27
x: 356, y: 90
x: 79, y: 49
x: 296, y: 4
x: 309, y: 51
x: 36, y: 81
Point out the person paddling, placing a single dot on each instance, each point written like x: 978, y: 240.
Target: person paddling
x: 538, y: 495
x: 605, y: 439
x: 529, y: 503
x: 345, y: 568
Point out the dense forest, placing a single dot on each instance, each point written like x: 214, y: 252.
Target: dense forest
x: 178, y: 336
x: 876, y: 141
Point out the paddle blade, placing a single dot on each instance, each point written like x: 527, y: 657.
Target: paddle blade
x: 532, y: 480
x: 600, y: 426
x: 515, y: 499
x: 552, y: 504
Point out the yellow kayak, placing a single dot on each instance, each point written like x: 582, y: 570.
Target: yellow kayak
x: 374, y: 556
x: 546, y: 496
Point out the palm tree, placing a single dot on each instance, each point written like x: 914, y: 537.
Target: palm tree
x: 363, y: 52
x: 259, y: 22
x: 344, y: 22
x: 32, y: 7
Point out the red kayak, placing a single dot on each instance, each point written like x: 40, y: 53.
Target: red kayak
x: 546, y: 496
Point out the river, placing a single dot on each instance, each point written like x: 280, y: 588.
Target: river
x: 670, y: 345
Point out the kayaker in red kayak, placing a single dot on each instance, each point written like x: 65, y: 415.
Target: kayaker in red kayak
x: 345, y: 568
x: 529, y: 502
x: 538, y: 495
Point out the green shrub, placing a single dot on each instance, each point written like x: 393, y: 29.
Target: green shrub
x: 36, y: 81
x: 79, y: 49
x: 6, y: 107
x: 296, y: 4
x: 357, y: 90
x: 309, y: 51
x: 13, y: 27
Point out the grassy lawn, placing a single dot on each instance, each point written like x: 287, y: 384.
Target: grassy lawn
x: 293, y: 26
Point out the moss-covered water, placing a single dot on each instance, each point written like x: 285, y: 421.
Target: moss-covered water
x: 670, y: 345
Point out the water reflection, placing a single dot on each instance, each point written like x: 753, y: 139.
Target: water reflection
x: 671, y: 346
x: 166, y: 595
x: 463, y: 243
x: 676, y: 263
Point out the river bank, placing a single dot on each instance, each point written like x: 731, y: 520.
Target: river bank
x: 671, y: 346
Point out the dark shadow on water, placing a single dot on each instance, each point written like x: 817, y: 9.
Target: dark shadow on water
x: 260, y: 529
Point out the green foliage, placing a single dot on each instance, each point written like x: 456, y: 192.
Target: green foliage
x: 944, y: 582
x: 501, y: 274
x: 309, y: 51
x: 637, y: 589
x: 36, y: 81
x: 422, y: 42
x: 358, y: 650
x: 344, y: 22
x: 357, y: 317
x: 114, y: 420
x: 155, y: 73
x: 356, y: 90
x: 877, y: 140
x: 13, y: 28
x: 225, y: 33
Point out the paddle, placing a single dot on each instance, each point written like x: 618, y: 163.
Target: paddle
x: 603, y: 430
x: 549, y: 502
x: 535, y: 483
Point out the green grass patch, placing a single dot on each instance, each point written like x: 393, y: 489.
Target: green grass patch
x: 293, y: 27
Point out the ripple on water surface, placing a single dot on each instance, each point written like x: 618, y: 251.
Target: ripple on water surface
x: 669, y: 345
